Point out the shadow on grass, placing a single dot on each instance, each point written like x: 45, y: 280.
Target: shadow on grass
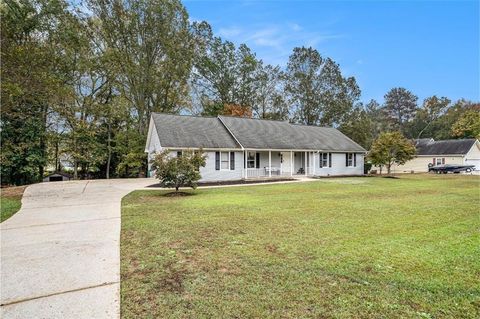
x: 177, y: 194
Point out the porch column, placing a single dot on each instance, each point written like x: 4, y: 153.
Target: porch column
x: 269, y: 163
x: 306, y: 163
x: 291, y: 163
x: 245, y: 164
x: 314, y: 167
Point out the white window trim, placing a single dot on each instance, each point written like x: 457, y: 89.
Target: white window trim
x: 352, y: 164
x: 254, y: 160
x: 320, y: 157
x: 228, y: 161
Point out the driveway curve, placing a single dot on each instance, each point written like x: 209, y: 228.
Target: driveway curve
x: 60, y: 254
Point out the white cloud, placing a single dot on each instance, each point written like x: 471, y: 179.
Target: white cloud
x: 229, y: 32
x: 274, y: 42
x: 295, y: 27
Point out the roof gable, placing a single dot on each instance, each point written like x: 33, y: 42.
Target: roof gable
x: 192, y: 132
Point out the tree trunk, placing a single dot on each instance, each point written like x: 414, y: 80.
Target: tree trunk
x: 75, y: 169
x: 389, y: 166
x: 57, y: 162
x: 109, y: 152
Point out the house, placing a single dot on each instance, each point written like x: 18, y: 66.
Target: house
x: 431, y: 152
x: 244, y: 148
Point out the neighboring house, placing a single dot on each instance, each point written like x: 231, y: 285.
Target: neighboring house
x: 57, y: 177
x: 429, y: 151
x: 241, y: 148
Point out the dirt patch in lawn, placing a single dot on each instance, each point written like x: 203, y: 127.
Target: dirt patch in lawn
x: 13, y: 191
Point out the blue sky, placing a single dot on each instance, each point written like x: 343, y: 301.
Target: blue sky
x: 428, y: 47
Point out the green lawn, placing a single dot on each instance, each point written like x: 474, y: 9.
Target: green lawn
x: 10, y: 201
x: 334, y: 248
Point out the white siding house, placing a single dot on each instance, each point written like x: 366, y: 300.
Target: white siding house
x: 444, y: 152
x: 241, y: 148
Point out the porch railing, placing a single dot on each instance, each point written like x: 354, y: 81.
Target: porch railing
x: 265, y: 172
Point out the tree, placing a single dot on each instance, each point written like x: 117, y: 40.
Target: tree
x: 390, y: 148
x: 442, y: 128
x: 468, y: 125
x: 400, y: 107
x: 359, y: 126
x: 179, y: 171
x: 224, y: 75
x: 317, y: 90
x: 150, y: 45
x: 270, y: 101
x: 432, y: 109
x: 33, y: 83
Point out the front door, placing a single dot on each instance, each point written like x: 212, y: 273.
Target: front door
x: 286, y: 163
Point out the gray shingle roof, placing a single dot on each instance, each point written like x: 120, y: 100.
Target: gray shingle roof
x: 445, y: 147
x: 192, y: 132
x: 208, y: 132
x: 265, y: 134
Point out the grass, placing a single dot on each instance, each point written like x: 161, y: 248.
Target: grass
x: 10, y: 201
x: 334, y: 248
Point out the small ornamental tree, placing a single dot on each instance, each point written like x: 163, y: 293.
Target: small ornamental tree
x: 389, y: 148
x: 180, y: 170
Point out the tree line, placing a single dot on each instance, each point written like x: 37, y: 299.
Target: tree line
x: 79, y: 82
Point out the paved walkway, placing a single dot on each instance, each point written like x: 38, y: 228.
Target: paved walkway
x: 60, y: 254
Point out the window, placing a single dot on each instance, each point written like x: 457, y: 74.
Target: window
x: 224, y: 160
x: 179, y: 154
x: 349, y: 159
x: 251, y: 160
x: 323, y: 159
x: 440, y: 161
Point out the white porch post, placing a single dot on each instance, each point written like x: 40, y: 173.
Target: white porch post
x: 305, y: 163
x: 245, y: 164
x: 291, y: 163
x: 314, y: 166
x: 269, y: 163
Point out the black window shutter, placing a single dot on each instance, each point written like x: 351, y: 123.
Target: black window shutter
x: 355, y: 159
x: 346, y: 159
x: 217, y: 161
x: 258, y: 160
x: 232, y: 161
x: 320, y: 155
x: 329, y: 159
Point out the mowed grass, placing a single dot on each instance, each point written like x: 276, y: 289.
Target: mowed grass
x: 333, y: 248
x: 10, y: 201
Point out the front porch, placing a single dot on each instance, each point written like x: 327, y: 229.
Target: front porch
x: 277, y: 164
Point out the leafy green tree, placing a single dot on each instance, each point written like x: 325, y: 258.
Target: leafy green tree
x: 441, y: 128
x: 390, y: 148
x: 317, y: 90
x: 468, y: 125
x: 400, y: 107
x: 359, y: 126
x: 270, y: 101
x: 426, y: 116
x: 179, y: 171
x: 33, y: 83
x: 150, y: 44
x: 224, y: 75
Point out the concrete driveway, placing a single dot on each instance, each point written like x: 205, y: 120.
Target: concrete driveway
x: 60, y: 254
